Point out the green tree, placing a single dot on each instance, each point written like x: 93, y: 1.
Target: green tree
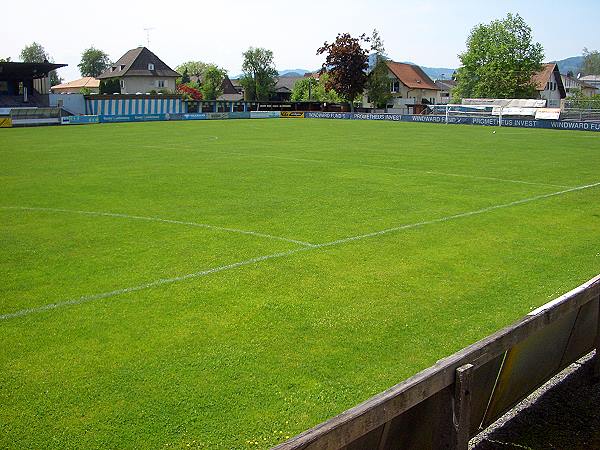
x: 36, y: 53
x: 378, y: 83
x: 110, y: 86
x: 591, y: 62
x: 346, y: 64
x: 212, y: 82
x: 185, y: 76
x: 193, y: 68
x: 93, y: 62
x: 318, y: 91
x: 500, y: 61
x: 5, y: 59
x: 260, y: 75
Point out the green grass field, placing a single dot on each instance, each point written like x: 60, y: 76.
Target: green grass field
x: 228, y: 284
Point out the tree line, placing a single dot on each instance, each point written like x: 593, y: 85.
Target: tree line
x: 499, y: 62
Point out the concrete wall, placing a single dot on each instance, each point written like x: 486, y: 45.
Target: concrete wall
x: 133, y: 85
x: 74, y: 103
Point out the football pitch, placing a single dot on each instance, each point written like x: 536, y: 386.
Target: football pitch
x: 229, y: 284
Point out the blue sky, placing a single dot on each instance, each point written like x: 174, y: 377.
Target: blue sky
x: 429, y: 33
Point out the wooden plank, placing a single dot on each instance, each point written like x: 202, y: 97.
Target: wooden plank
x: 462, y: 407
x: 376, y: 411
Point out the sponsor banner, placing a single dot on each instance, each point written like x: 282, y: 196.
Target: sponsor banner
x: 484, y: 121
x: 239, y: 115
x: 78, y: 120
x: 292, y: 114
x: 265, y: 115
x: 5, y: 122
x: 217, y: 116
x: 133, y: 118
x: 327, y: 115
x: 195, y: 116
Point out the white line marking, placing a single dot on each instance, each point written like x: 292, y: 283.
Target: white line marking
x: 258, y: 259
x: 157, y: 219
x: 361, y: 164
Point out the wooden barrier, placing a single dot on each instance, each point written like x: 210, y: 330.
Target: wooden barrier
x: 450, y: 402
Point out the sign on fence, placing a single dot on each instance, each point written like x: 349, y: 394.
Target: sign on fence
x: 79, y: 120
x: 485, y: 121
x: 133, y: 118
x: 5, y: 122
x: 292, y: 114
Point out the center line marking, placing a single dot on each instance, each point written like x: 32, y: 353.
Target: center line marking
x: 205, y: 272
x: 158, y: 219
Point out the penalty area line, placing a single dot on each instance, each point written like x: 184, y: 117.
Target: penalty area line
x: 258, y: 259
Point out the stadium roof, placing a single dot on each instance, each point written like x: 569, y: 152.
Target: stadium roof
x: 411, y: 76
x: 18, y: 71
x: 135, y: 63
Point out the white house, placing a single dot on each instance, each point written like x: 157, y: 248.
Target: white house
x: 571, y: 84
x: 140, y: 70
x: 549, y: 85
x: 592, y: 80
x: 410, y: 87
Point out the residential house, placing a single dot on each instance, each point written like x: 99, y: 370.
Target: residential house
x: 410, y: 87
x: 592, y: 80
x: 549, y: 85
x: 284, y: 88
x: 230, y: 92
x: 445, y: 90
x: 76, y: 86
x: 140, y: 70
x: 572, y: 84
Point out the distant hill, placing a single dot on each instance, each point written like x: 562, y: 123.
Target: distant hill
x: 572, y: 64
x: 293, y: 72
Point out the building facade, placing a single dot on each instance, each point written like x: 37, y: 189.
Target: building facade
x: 411, y: 89
x: 141, y: 71
x: 549, y: 85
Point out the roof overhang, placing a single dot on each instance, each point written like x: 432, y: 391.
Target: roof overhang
x: 16, y: 71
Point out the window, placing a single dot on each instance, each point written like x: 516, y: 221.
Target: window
x: 150, y: 66
x: 122, y: 66
x: 395, y: 87
x: 122, y: 83
x: 160, y: 83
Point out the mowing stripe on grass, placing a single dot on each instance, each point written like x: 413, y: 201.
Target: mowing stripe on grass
x: 163, y: 281
x: 377, y: 166
x: 157, y: 219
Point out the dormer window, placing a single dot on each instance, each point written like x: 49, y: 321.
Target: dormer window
x: 150, y: 66
x: 122, y: 66
x: 113, y: 68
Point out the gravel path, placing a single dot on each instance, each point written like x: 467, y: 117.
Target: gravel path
x: 562, y: 414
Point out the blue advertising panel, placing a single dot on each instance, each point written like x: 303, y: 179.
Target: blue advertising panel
x: 133, y: 118
x: 79, y: 120
x: 484, y: 121
x: 195, y: 116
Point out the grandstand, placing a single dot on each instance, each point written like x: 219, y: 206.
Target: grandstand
x: 24, y: 89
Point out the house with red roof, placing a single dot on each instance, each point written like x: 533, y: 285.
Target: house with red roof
x: 549, y: 85
x: 412, y: 90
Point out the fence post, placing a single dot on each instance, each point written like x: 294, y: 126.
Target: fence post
x: 596, y: 369
x: 462, y: 407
